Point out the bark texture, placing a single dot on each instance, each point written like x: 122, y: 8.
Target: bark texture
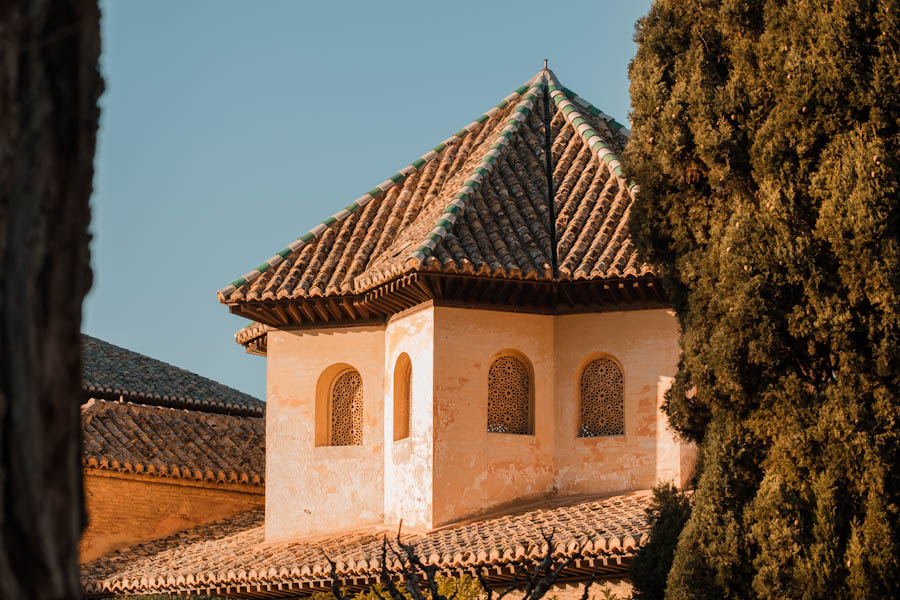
x: 49, y: 87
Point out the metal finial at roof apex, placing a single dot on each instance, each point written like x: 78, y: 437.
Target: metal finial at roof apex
x: 545, y: 63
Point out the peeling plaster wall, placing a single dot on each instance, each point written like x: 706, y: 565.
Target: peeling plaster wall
x: 450, y: 467
x: 313, y: 490
x: 675, y: 458
x: 408, y: 471
x: 474, y: 470
x: 645, y: 343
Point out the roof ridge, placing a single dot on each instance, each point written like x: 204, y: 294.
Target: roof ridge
x: 481, y: 170
x: 97, y: 404
x: 610, y: 120
x: 372, y: 194
x: 591, y: 137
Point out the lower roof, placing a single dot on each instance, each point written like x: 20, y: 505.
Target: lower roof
x: 112, y: 373
x: 173, y: 443
x: 231, y: 556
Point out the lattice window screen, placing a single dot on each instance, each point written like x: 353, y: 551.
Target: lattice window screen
x: 509, y: 396
x: 347, y: 409
x: 602, y: 399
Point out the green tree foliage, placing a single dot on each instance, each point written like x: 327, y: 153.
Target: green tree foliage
x: 766, y: 146
x: 460, y: 588
x: 667, y: 515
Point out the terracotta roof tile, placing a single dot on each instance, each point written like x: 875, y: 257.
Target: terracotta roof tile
x: 228, y: 554
x: 111, y: 372
x: 171, y: 442
x: 251, y: 332
x: 477, y: 204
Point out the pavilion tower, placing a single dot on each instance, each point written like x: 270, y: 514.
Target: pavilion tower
x: 476, y: 331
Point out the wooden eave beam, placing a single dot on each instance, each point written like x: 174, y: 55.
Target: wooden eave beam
x: 294, y: 312
x: 254, y: 313
x: 320, y: 310
x: 307, y: 310
x: 407, y: 294
x: 424, y: 286
x: 282, y: 313
x: 334, y: 307
x: 438, y: 286
x: 362, y: 309
x: 610, y: 292
x: 348, y: 306
x: 393, y: 303
x: 638, y: 290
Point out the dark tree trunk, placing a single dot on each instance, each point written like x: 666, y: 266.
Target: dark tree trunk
x: 49, y: 86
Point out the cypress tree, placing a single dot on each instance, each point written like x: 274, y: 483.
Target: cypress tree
x: 766, y: 148
x: 667, y: 514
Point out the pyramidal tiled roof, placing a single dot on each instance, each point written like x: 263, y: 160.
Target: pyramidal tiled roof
x: 111, y: 372
x: 477, y: 203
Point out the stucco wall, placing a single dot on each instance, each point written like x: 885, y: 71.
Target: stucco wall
x: 321, y: 489
x: 408, y: 462
x: 476, y: 470
x: 451, y: 467
x: 124, y: 510
x: 675, y: 458
x: 645, y: 343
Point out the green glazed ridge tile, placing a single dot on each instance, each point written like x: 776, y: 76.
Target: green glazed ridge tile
x: 376, y: 192
x: 443, y: 224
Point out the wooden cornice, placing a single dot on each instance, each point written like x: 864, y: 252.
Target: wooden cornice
x: 467, y: 291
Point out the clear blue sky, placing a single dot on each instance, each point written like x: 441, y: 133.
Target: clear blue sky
x: 230, y: 128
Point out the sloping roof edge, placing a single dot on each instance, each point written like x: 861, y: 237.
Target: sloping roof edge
x: 111, y: 372
x: 592, y: 138
x: 564, y: 99
x: 448, y: 218
x: 372, y: 194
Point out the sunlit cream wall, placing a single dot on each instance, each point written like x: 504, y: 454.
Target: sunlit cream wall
x: 645, y: 344
x: 408, y: 472
x: 451, y: 467
x: 475, y: 470
x: 314, y: 489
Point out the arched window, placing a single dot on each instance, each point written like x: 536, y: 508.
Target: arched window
x: 346, y: 409
x: 509, y: 396
x: 602, y: 399
x: 402, y: 397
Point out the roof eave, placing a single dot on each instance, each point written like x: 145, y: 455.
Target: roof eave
x: 570, y: 296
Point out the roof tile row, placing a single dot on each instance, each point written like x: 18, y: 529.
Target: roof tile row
x: 112, y: 372
x: 233, y: 551
x: 478, y: 205
x: 169, y: 442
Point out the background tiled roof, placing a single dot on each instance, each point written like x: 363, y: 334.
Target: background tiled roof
x: 111, y: 372
x: 171, y: 442
x: 227, y: 555
x: 477, y: 204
